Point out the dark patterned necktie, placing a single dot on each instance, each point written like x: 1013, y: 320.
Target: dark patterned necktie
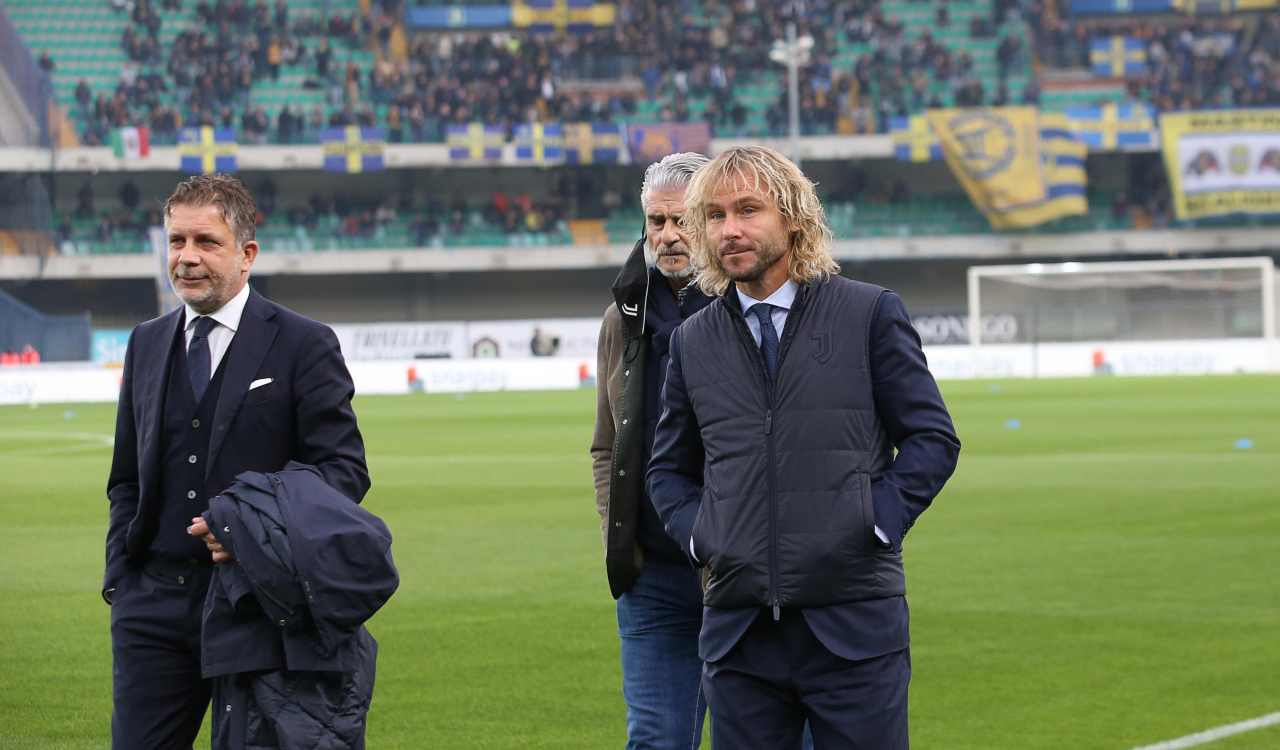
x: 768, y: 337
x: 198, y: 356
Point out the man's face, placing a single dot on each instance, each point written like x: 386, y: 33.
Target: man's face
x: 668, y: 244
x: 206, y: 268
x: 749, y: 234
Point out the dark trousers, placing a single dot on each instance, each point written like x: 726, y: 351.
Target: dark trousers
x: 159, y: 695
x: 779, y: 675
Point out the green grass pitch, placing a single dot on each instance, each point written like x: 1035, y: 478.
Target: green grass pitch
x: 1102, y: 575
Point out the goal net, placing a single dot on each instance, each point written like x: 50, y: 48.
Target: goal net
x: 1124, y: 301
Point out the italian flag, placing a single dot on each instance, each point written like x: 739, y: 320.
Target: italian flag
x: 131, y: 143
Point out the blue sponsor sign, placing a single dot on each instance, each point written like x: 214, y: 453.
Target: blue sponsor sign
x: 459, y: 17
x: 108, y: 344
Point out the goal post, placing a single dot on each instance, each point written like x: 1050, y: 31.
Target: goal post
x: 1143, y: 300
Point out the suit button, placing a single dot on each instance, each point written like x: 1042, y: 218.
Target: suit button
x: 624, y: 421
x: 191, y: 494
x: 622, y: 472
x: 195, y: 423
x: 191, y: 459
x: 182, y: 580
x: 282, y: 623
x: 626, y: 373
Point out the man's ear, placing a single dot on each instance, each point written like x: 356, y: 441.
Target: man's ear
x: 250, y: 251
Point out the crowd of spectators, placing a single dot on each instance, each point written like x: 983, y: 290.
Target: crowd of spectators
x: 1200, y: 62
x: 426, y: 218
x: 658, y: 57
x: 205, y: 75
x: 906, y: 69
x: 508, y: 78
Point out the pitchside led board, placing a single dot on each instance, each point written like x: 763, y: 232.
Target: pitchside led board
x: 1222, y: 162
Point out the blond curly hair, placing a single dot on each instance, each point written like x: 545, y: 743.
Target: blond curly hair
x: 766, y: 170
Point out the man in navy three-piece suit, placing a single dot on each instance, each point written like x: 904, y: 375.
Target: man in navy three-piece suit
x: 230, y: 382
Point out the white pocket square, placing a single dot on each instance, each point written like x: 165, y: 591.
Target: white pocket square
x: 259, y: 383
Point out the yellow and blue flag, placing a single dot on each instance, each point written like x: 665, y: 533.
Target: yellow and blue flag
x: 593, y: 142
x: 540, y: 143
x: 1019, y: 167
x: 1115, y: 126
x: 474, y: 141
x: 354, y: 149
x: 1222, y: 6
x: 1117, y: 56
x: 994, y: 153
x: 207, y: 150
x: 556, y: 15
x: 586, y: 15
x: 913, y: 140
x: 1062, y: 159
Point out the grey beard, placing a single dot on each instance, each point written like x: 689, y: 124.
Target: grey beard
x: 677, y: 275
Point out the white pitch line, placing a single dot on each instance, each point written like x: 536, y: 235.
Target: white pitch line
x: 1215, y: 734
x: 88, y: 437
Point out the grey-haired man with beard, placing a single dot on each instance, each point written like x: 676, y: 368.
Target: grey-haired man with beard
x: 658, y: 591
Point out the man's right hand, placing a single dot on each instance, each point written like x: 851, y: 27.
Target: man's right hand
x: 199, y: 528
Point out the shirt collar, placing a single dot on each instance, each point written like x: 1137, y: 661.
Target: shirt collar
x: 228, y: 315
x: 783, y: 297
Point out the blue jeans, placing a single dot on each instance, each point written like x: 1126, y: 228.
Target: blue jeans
x: 658, y: 624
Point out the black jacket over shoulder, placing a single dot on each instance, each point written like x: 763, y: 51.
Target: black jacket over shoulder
x: 284, y: 622
x: 783, y: 512
x: 310, y: 567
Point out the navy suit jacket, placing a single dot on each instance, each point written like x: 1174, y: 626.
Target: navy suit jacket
x: 304, y: 414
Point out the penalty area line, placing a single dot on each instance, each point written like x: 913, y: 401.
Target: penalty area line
x: 1215, y: 734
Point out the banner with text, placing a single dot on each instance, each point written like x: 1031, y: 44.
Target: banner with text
x: 402, y: 341
x: 1223, y: 162
x: 506, y: 339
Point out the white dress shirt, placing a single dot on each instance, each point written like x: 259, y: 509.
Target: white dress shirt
x: 781, y: 299
x: 227, y: 318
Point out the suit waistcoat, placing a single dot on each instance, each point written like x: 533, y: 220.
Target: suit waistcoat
x: 184, y: 456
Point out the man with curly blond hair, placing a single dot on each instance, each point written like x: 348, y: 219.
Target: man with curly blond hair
x: 801, y: 437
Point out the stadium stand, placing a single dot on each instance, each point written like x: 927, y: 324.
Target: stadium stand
x: 181, y: 63
x: 310, y: 64
x: 337, y: 222
x: 277, y: 72
x: 1170, y: 62
x: 280, y: 73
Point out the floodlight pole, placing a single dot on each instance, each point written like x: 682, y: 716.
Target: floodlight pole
x: 793, y: 52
